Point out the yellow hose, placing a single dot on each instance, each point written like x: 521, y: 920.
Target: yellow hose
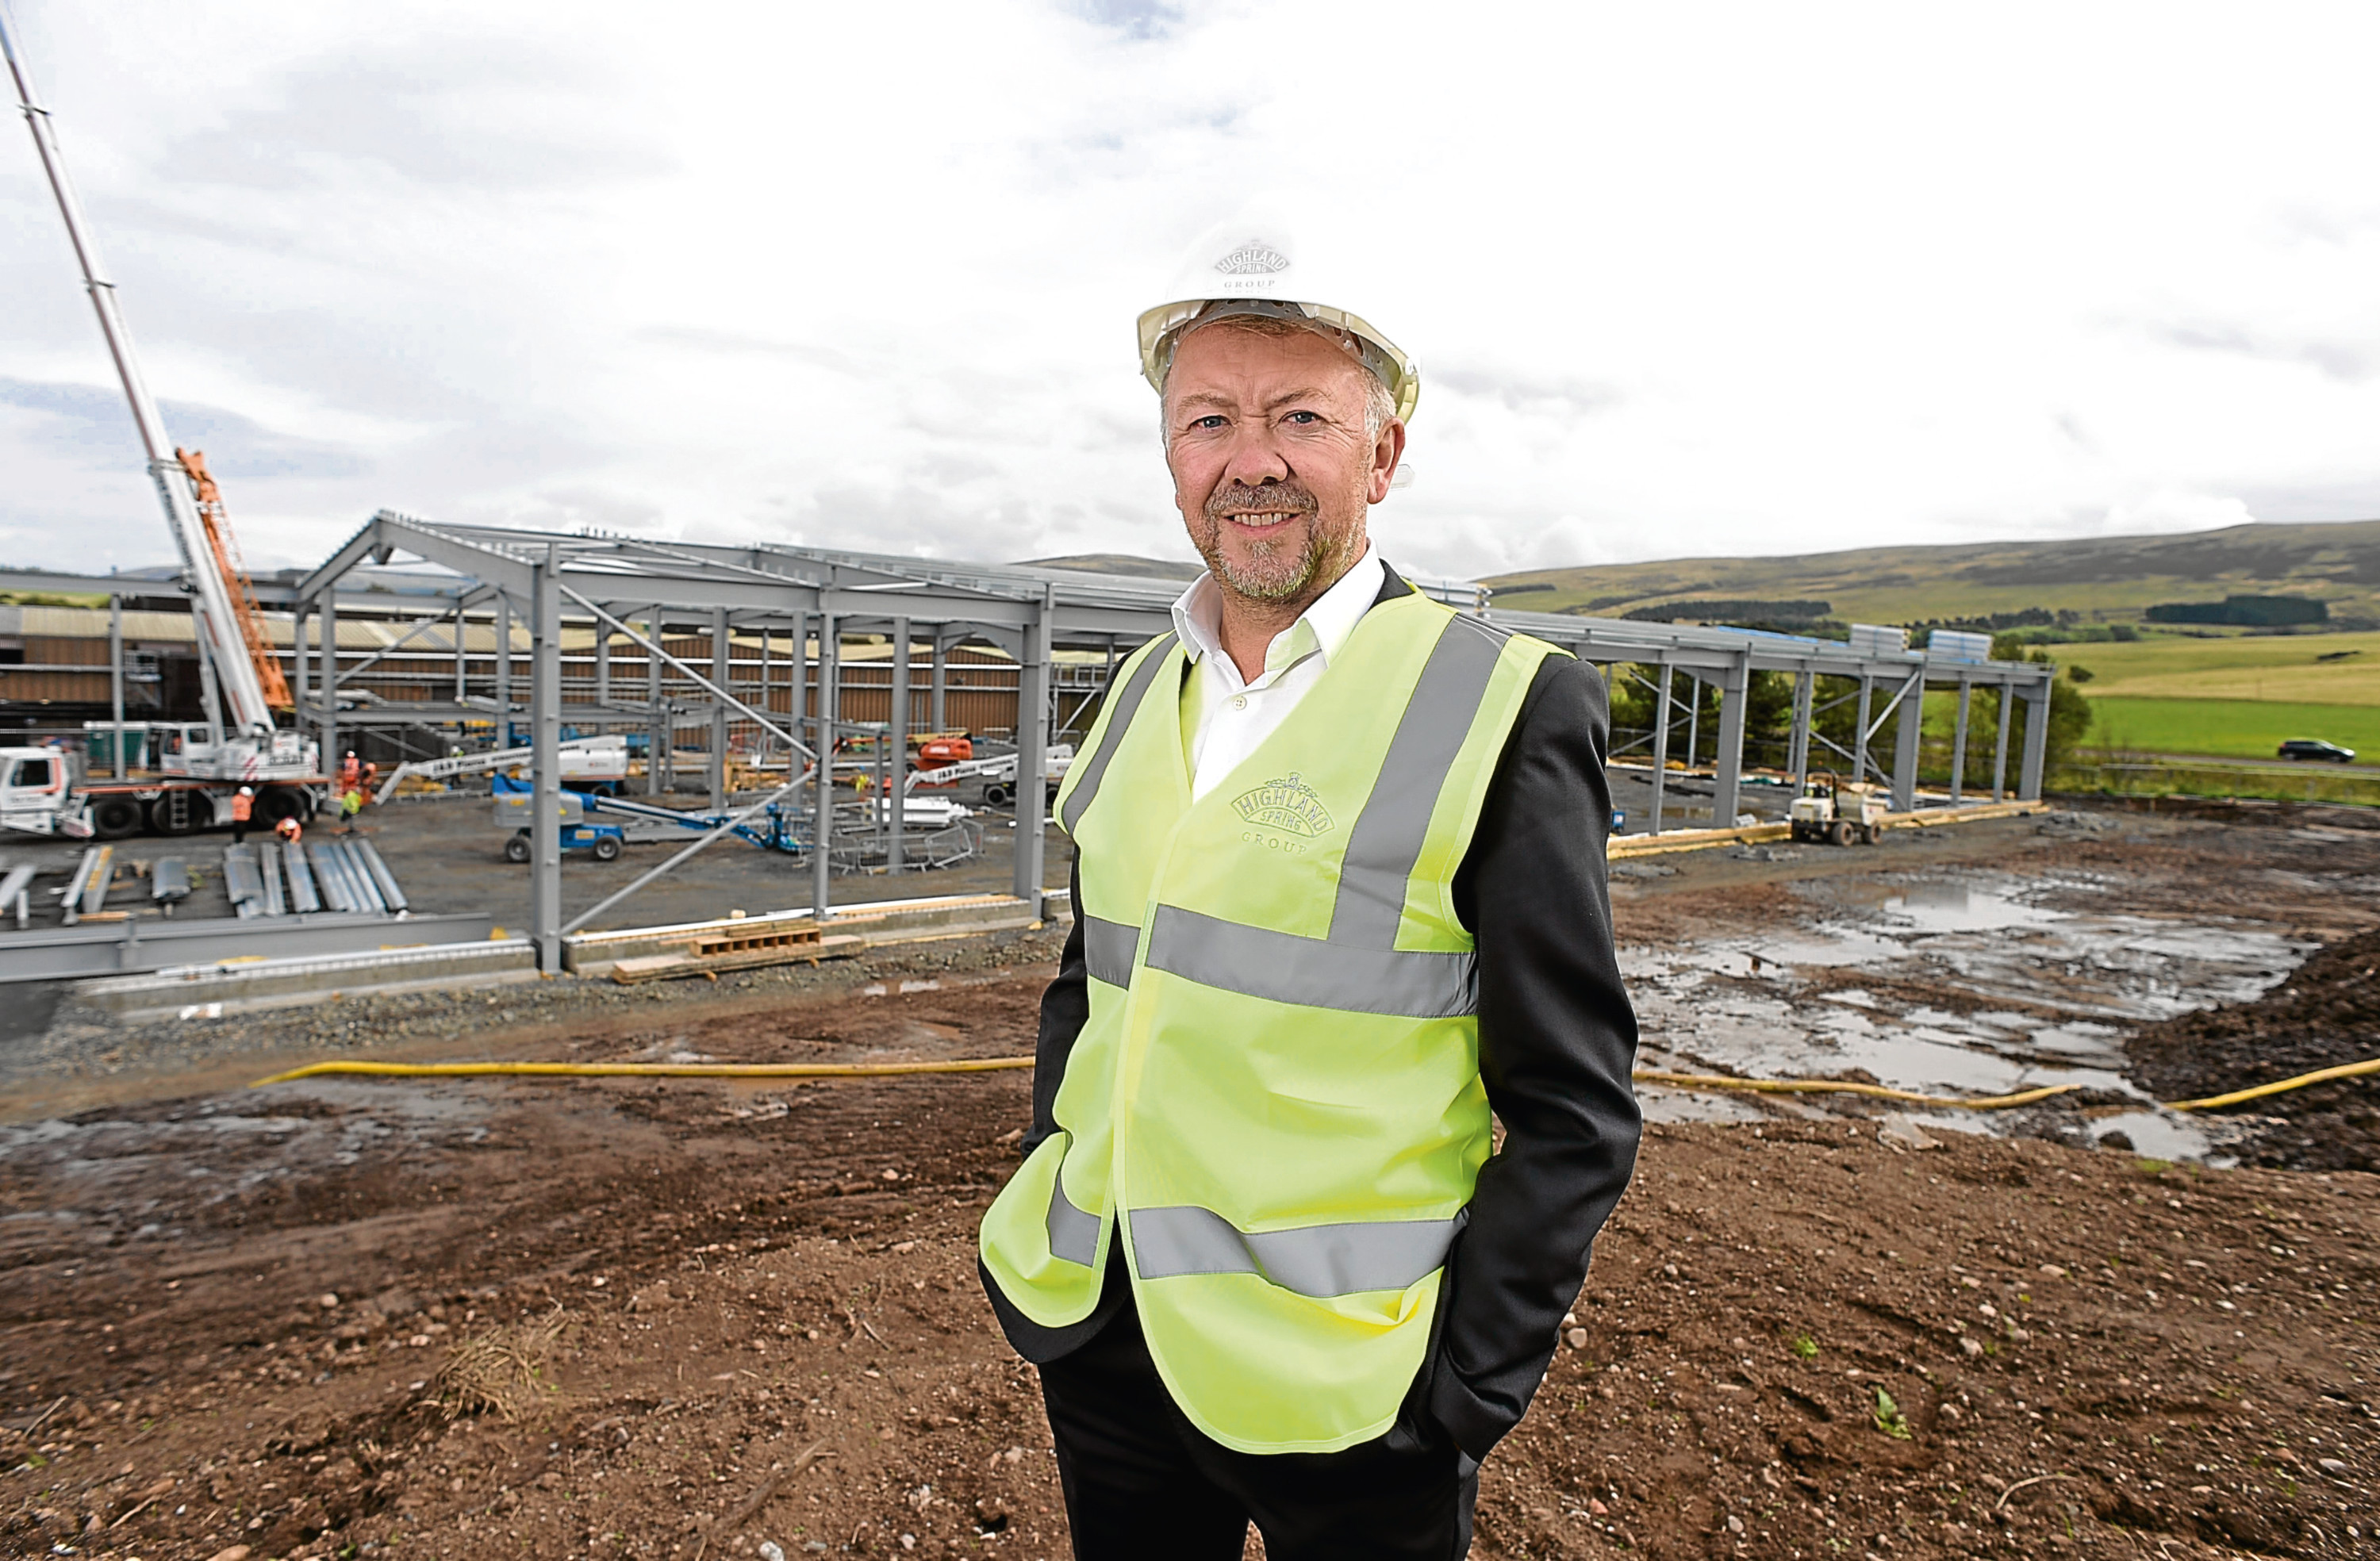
x: 996, y: 1064
x: 645, y: 1069
x: 2320, y: 1075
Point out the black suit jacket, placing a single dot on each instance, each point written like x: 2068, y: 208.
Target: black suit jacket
x: 1557, y: 1043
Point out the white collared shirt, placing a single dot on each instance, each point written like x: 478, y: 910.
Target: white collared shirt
x: 1224, y: 717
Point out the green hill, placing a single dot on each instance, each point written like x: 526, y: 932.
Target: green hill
x: 1121, y: 563
x: 2100, y: 579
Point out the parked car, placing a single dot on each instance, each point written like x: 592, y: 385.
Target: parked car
x: 2315, y: 748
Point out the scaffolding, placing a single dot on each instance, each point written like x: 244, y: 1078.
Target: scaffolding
x: 660, y: 638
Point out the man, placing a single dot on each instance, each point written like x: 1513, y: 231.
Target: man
x: 1339, y: 892
x: 243, y: 807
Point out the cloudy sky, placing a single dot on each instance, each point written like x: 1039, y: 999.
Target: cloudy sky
x: 1682, y: 280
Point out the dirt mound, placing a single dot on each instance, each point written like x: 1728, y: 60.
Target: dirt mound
x: 662, y: 1318
x: 2326, y: 1013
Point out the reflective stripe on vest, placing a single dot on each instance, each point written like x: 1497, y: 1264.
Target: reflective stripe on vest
x: 1108, y: 949
x: 1074, y: 1235
x: 1359, y: 968
x: 1119, y: 721
x: 1320, y: 1261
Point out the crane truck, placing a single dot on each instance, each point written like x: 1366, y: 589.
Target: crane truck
x: 240, y: 743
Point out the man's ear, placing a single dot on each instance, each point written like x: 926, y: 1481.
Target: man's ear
x: 1386, y: 454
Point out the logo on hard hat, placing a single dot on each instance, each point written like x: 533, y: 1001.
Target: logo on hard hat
x: 1285, y: 804
x: 1253, y: 258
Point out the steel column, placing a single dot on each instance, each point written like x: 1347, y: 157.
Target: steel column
x: 115, y: 678
x: 1693, y: 719
x: 896, y: 762
x: 1905, y: 735
x: 1728, y: 762
x: 299, y: 655
x: 716, y: 770
x: 941, y: 677
x: 768, y: 643
x: 1999, y: 747
x: 1859, y: 733
x: 658, y: 735
x: 326, y: 632
x: 1797, y: 758
x: 1959, y: 742
x: 545, y: 759
x: 603, y: 663
x: 462, y: 653
x: 1660, y: 746
x: 2036, y: 744
x: 1033, y: 750
x: 823, y: 793
x: 505, y: 668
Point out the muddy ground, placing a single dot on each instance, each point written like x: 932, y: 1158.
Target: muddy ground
x: 621, y: 1318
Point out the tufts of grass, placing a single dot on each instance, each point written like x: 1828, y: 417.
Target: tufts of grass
x: 1888, y: 1418
x: 505, y: 1371
x: 1804, y: 1346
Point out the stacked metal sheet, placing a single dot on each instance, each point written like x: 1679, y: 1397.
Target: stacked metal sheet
x: 383, y: 879
x: 1951, y: 645
x: 323, y: 874
x: 1879, y: 639
x: 243, y: 885
x: 268, y: 869
x: 351, y: 876
x: 304, y: 898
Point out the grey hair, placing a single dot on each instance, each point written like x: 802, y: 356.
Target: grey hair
x: 1379, y: 404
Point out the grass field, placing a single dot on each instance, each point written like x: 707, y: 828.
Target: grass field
x: 2231, y: 728
x: 2104, y: 579
x: 2287, y: 669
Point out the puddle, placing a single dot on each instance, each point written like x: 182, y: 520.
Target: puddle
x: 1960, y: 907
x: 2161, y: 1135
x: 1980, y: 990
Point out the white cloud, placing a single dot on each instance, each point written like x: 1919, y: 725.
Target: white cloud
x: 1684, y: 282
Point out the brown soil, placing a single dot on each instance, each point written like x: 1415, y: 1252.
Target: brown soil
x: 292, y: 1320
x: 232, y: 1311
x: 2326, y: 1013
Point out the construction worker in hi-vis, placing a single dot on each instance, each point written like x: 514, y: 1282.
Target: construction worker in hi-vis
x: 1338, y: 894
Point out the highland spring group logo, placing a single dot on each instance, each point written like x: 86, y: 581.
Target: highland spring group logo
x: 1286, y: 804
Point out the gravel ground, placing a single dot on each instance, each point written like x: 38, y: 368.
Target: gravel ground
x: 739, y: 1314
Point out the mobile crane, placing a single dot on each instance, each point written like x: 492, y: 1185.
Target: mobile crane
x: 240, y: 743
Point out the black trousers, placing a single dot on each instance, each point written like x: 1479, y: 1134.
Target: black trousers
x: 1142, y: 1483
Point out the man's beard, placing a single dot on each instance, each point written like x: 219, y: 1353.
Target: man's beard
x: 1279, y: 565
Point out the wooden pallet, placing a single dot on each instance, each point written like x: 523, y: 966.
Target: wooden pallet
x: 707, y: 955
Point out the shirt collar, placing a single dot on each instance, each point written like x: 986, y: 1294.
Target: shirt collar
x: 1323, y: 628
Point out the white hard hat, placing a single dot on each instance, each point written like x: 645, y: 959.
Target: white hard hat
x: 1252, y: 264
x: 247, y: 790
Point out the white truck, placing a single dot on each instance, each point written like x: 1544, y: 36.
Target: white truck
x: 46, y: 791
x: 1838, y: 811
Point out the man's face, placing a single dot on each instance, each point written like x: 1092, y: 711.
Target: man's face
x: 1272, y: 468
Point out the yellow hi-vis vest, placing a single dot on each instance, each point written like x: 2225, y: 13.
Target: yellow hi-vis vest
x: 1275, y: 1103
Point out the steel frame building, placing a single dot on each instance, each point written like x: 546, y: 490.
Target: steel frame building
x: 402, y: 570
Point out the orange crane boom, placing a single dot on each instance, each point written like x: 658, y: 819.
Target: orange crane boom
x: 212, y: 515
